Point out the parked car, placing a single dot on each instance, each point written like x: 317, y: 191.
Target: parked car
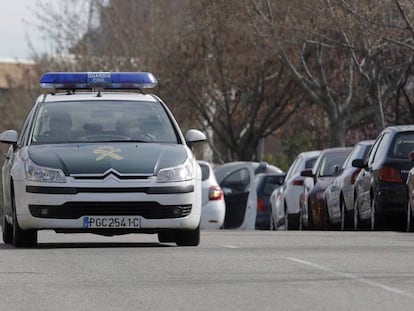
x: 238, y: 181
x: 266, y: 183
x: 340, y: 195
x: 326, y: 168
x: 285, y: 200
x: 381, y: 187
x: 213, y: 207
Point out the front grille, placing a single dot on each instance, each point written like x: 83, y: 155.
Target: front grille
x: 74, y: 210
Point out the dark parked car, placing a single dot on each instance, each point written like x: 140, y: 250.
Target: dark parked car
x: 326, y: 168
x: 381, y: 186
x: 340, y: 195
x: 265, y: 185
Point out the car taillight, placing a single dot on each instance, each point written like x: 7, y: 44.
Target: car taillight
x: 354, y: 175
x: 297, y: 182
x: 261, y: 206
x: 215, y: 193
x: 389, y: 174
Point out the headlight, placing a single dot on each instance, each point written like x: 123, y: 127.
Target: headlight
x: 43, y: 174
x: 178, y: 173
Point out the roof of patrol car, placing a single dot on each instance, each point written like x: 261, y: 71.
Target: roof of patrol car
x: 92, y: 96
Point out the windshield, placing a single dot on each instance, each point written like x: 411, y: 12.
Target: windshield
x: 102, y: 121
x: 330, y: 164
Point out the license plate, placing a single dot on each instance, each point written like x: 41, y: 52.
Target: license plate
x: 112, y: 222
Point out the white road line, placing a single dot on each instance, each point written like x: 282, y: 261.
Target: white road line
x: 231, y: 246
x: 352, y: 277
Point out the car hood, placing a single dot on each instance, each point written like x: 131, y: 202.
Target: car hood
x: 125, y: 158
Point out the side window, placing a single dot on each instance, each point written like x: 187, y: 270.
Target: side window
x: 355, y: 154
x: 236, y: 182
x: 205, y: 172
x: 403, y: 145
x: 310, y: 163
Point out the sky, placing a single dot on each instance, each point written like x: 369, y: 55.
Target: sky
x: 17, y: 18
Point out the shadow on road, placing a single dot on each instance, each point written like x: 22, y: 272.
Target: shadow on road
x: 88, y: 245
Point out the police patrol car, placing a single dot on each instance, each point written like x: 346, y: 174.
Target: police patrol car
x: 100, y: 162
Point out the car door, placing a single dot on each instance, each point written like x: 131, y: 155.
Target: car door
x: 240, y: 197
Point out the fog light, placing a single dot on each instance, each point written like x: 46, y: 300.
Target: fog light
x: 177, y: 211
x: 44, y: 211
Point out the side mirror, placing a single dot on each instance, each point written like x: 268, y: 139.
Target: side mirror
x: 411, y: 156
x: 359, y: 163
x: 193, y: 136
x: 9, y: 137
x: 307, y: 173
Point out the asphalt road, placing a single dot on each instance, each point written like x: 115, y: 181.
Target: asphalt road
x: 230, y: 270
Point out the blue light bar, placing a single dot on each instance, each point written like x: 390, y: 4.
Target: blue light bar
x: 91, y: 80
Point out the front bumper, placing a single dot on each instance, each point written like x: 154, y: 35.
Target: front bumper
x: 62, y: 207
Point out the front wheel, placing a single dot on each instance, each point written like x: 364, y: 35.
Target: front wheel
x: 22, y: 238
x: 7, y: 230
x: 356, y: 215
x: 344, y: 220
x: 375, y: 217
x: 286, y: 220
x: 188, y: 237
x: 166, y: 236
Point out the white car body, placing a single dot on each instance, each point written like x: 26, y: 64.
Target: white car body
x: 106, y: 187
x: 213, y: 208
x: 285, y: 200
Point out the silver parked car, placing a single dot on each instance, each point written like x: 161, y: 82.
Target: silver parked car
x: 340, y: 195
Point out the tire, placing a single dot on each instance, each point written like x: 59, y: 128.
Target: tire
x: 300, y: 221
x: 375, y: 217
x: 188, y: 237
x: 286, y: 220
x: 410, y: 220
x: 7, y: 230
x: 344, y: 221
x: 21, y: 238
x: 167, y: 236
x: 356, y: 215
x: 326, y: 222
x: 310, y: 217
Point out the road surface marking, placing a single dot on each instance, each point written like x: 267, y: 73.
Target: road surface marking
x: 231, y: 246
x: 352, y: 277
